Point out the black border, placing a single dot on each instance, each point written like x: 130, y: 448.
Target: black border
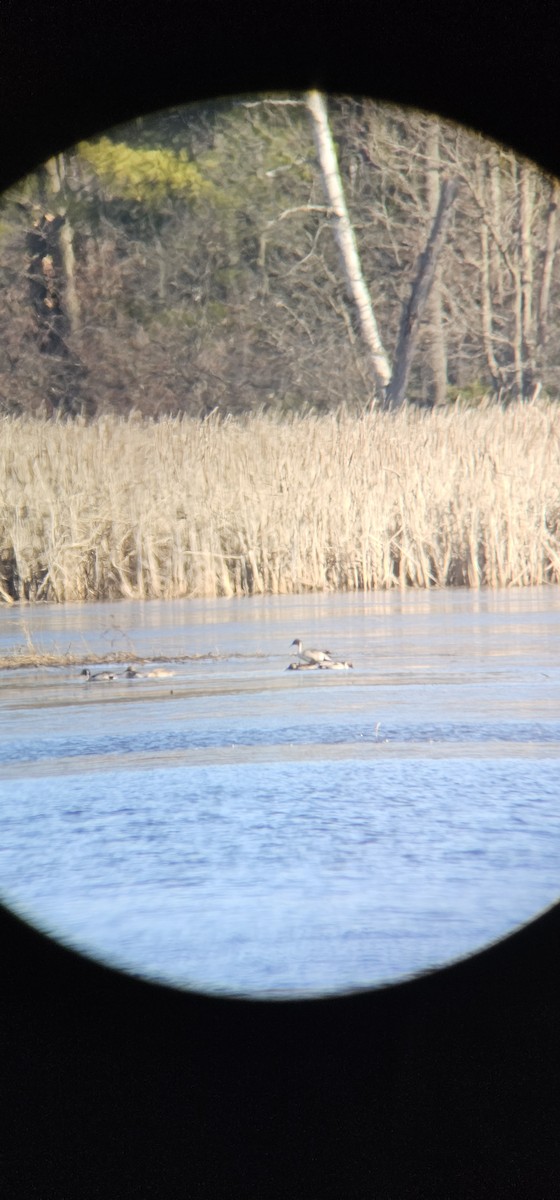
x: 444, y: 1087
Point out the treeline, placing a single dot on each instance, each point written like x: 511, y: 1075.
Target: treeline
x: 186, y: 263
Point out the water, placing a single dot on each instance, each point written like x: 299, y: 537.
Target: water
x: 244, y: 830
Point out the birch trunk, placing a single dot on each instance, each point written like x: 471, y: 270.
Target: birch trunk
x: 344, y: 231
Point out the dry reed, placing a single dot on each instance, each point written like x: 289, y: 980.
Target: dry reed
x: 129, y: 508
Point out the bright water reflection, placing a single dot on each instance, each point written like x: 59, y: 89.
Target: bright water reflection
x: 241, y: 829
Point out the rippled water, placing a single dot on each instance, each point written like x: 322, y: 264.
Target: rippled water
x: 246, y: 830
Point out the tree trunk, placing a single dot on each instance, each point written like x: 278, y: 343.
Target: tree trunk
x: 496, y: 280
x: 486, y: 310
x: 357, y: 287
x: 488, y: 270
x: 548, y: 263
x: 517, y: 347
x: 52, y: 290
x: 43, y: 272
x: 517, y: 302
x: 414, y: 310
x: 437, y: 351
x: 526, y: 198
x: 55, y: 169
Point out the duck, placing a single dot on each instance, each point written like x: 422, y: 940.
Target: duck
x: 336, y: 666
x: 303, y: 666
x: 157, y: 673
x: 311, y: 656
x: 100, y: 676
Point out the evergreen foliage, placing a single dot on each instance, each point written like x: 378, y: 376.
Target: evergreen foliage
x: 149, y: 176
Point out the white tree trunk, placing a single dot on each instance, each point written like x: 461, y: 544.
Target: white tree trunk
x: 357, y: 287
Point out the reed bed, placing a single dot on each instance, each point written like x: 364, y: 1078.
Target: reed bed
x: 129, y: 508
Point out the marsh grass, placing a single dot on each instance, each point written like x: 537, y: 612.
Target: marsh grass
x: 29, y: 655
x: 136, y: 509
x: 29, y: 652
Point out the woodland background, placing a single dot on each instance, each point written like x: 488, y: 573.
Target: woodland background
x: 186, y: 264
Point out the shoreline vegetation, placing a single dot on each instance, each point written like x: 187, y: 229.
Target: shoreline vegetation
x: 31, y: 655
x: 123, y: 507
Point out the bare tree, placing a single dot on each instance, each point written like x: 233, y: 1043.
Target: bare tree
x: 238, y: 299
x: 437, y: 351
x: 525, y: 346
x: 357, y: 287
x: 551, y: 238
x: 489, y: 269
x: 413, y: 311
x: 55, y: 170
x: 393, y: 383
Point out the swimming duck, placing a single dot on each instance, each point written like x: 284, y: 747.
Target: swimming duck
x: 311, y: 656
x: 157, y: 673
x: 100, y: 676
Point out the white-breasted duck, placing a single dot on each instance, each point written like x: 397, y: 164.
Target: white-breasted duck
x: 99, y: 677
x: 311, y: 656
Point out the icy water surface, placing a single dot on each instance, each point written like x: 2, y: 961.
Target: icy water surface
x: 242, y: 829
